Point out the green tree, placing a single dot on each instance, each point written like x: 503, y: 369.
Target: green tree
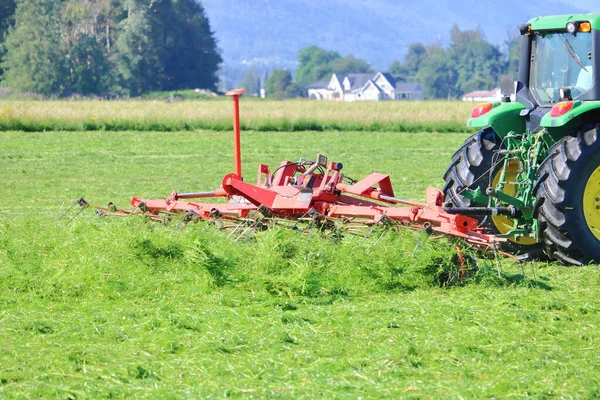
x: 251, y: 82
x: 84, y: 23
x: 90, y: 71
x: 278, y: 83
x: 7, y: 13
x: 479, y: 64
x: 186, y: 45
x: 513, y: 52
x: 407, y: 71
x: 437, y: 75
x: 35, y: 58
x: 138, y: 64
x: 399, y: 71
x: 314, y: 64
x: 92, y: 47
x: 296, y: 90
x: 167, y: 45
x: 350, y: 64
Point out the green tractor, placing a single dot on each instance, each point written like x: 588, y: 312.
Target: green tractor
x: 532, y: 173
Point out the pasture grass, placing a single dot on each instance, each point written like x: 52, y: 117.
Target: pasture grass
x: 257, y: 115
x: 121, y: 308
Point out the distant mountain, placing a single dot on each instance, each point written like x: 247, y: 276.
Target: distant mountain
x: 270, y: 32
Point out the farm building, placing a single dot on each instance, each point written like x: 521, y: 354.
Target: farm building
x: 483, y: 95
x: 364, y: 87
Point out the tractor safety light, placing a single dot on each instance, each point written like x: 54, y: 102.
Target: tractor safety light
x: 561, y: 108
x: 481, y: 109
x: 572, y: 27
x: 585, y: 27
x: 524, y: 29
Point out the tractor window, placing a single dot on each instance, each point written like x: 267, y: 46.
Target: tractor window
x: 560, y: 60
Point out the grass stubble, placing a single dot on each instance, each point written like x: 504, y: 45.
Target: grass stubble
x: 122, y: 308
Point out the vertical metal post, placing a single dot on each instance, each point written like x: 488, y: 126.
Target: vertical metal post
x: 237, y: 153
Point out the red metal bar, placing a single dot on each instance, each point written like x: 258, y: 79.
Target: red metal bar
x: 237, y: 152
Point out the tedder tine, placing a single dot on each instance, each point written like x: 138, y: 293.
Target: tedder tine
x: 81, y: 203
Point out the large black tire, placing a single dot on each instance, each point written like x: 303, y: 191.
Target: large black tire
x: 571, y: 163
x: 470, y: 168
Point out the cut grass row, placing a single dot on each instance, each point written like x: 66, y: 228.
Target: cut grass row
x: 121, y: 308
x: 257, y: 115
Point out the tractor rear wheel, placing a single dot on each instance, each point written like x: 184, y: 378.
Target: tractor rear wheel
x: 568, y: 198
x: 470, y: 168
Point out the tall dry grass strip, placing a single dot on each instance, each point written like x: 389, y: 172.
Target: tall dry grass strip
x: 277, y: 116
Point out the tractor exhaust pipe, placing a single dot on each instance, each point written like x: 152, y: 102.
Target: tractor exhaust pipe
x: 511, y: 212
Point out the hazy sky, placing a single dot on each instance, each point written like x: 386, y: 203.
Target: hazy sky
x: 585, y: 5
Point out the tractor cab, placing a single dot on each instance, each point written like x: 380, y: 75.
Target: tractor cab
x: 561, y: 66
x: 557, y: 83
x: 557, y: 64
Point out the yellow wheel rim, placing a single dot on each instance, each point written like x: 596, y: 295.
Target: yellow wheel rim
x: 502, y: 223
x: 591, y: 203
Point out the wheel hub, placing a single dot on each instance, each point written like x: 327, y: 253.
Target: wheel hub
x: 591, y: 203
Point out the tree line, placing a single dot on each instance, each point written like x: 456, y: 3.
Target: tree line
x: 106, y: 47
x: 468, y: 63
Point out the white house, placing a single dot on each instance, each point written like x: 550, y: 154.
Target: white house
x: 364, y: 87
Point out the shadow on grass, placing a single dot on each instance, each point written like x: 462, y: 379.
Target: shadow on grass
x: 524, y: 281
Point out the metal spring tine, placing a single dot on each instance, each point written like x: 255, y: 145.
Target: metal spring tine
x: 239, y: 226
x: 415, y: 250
x: 295, y: 226
x: 80, y: 202
x: 310, y: 229
x: 314, y: 226
x: 65, y: 213
x: 385, y: 229
x: 369, y: 232
x: 132, y: 212
x: 187, y: 217
x: 179, y: 227
x: 207, y: 225
x: 75, y: 216
x: 241, y: 235
x: 252, y: 226
x: 498, y: 265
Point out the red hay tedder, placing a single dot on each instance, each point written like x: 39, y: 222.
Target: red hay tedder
x: 310, y: 191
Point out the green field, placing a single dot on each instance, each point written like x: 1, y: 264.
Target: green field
x: 122, y: 308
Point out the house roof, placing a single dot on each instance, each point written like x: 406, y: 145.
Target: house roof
x: 406, y: 87
x: 388, y: 77
x: 358, y: 80
x: 318, y: 85
x: 366, y: 85
x: 482, y: 93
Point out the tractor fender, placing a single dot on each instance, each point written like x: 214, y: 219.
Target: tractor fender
x: 580, y: 109
x: 503, y: 117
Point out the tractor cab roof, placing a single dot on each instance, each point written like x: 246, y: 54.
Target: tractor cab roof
x: 559, y: 22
